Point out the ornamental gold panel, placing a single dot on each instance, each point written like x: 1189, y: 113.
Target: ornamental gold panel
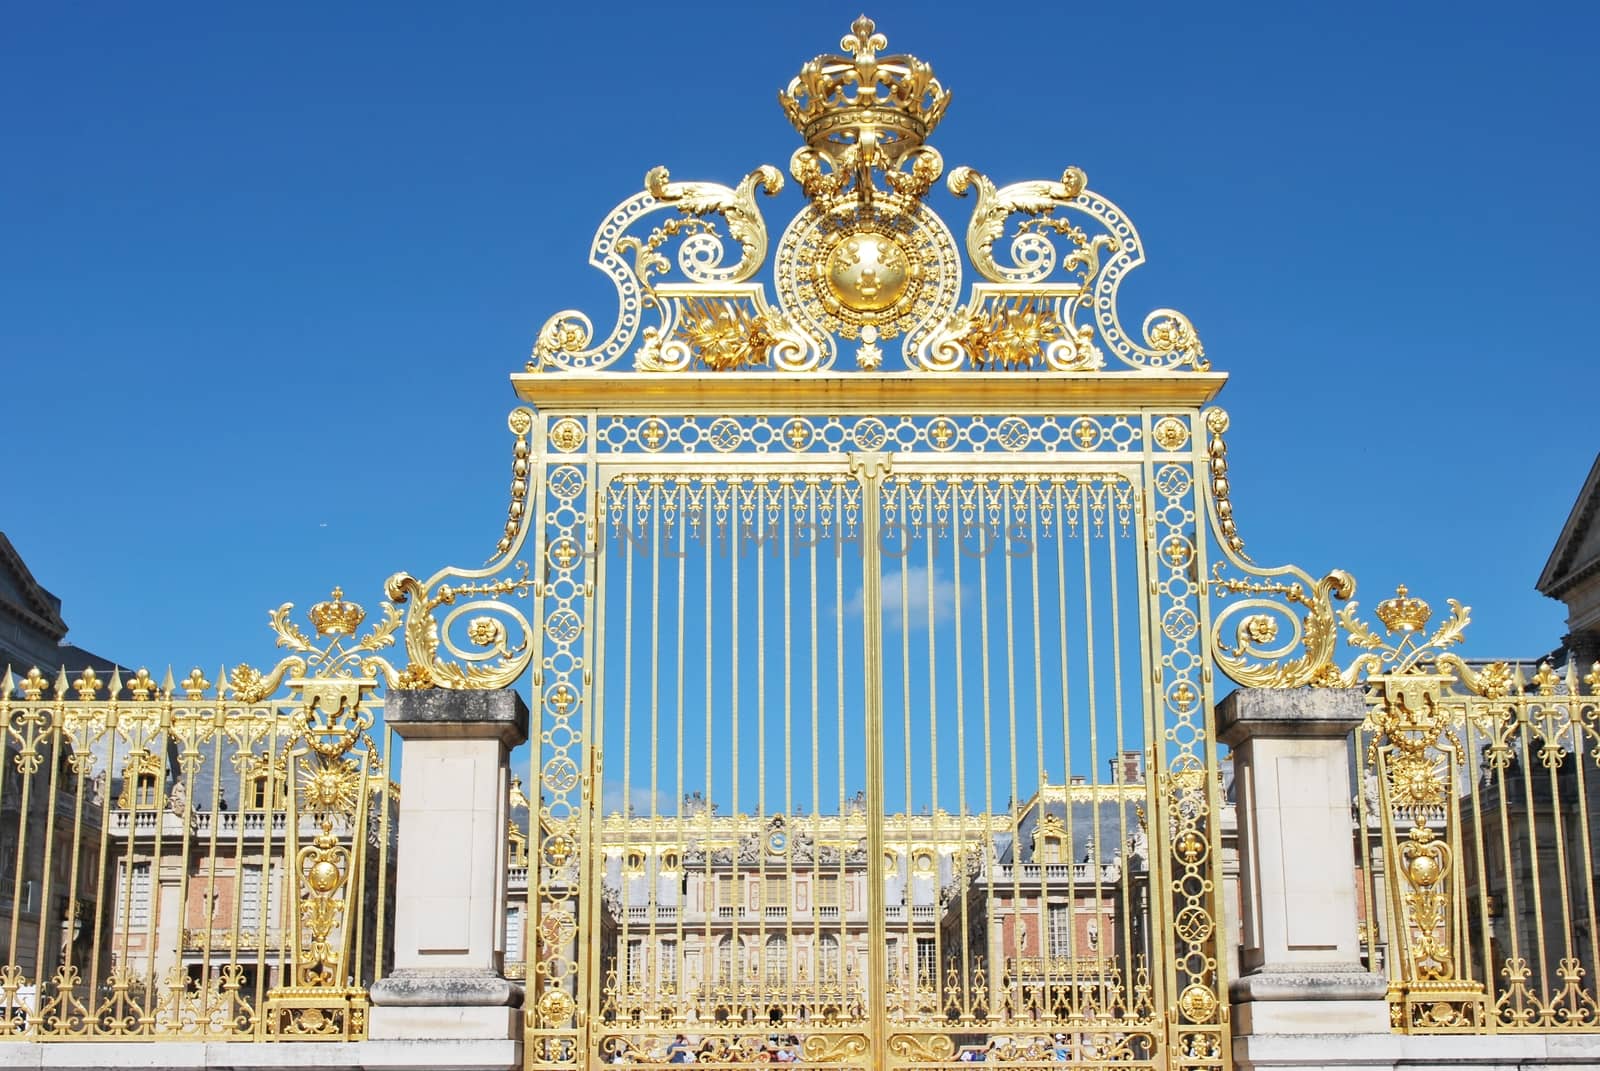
x: 190, y: 861
x: 1476, y: 821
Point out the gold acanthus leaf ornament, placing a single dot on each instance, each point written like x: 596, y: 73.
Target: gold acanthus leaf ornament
x: 725, y: 336
x: 737, y: 206
x: 1318, y: 633
x: 995, y: 205
x: 497, y: 664
x: 1011, y: 335
x: 1405, y: 651
x: 334, y: 655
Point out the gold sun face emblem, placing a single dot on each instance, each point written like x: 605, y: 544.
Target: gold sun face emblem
x: 334, y: 785
x: 868, y: 272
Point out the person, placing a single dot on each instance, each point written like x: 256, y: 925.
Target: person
x: 1059, y: 1054
x: 678, y: 1052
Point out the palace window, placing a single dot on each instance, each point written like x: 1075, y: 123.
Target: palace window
x: 264, y: 789
x: 828, y: 958
x: 777, y: 890
x: 635, y: 966
x: 777, y: 960
x: 927, y: 961
x: 727, y: 891
x: 516, y: 847
x: 724, y: 962
x: 667, y: 966
x: 250, y: 896
x: 133, y: 896
x: 1061, y: 931
x: 514, y: 935
x: 141, y: 783
x: 827, y: 890
x: 633, y: 862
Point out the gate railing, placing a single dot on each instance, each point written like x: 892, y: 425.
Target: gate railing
x: 1477, y: 820
x: 188, y: 860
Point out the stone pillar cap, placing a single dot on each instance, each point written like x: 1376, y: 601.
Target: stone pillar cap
x: 448, y: 713
x: 1289, y: 712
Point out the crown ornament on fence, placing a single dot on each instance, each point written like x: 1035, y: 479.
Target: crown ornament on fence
x: 866, y: 267
x: 336, y: 617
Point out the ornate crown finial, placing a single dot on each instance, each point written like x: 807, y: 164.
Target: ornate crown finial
x: 1403, y: 613
x: 860, y: 97
x: 336, y: 617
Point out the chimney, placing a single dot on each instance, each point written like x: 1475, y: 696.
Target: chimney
x: 1130, y: 765
x: 1079, y: 779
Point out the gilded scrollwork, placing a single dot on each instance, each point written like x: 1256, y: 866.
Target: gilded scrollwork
x: 866, y: 259
x: 462, y: 628
x: 1092, y: 264
x: 633, y: 262
x: 1033, y: 254
x: 1277, y: 627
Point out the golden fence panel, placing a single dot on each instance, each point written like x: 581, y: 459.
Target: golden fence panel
x: 751, y: 875
x: 1476, y: 822
x: 182, y: 860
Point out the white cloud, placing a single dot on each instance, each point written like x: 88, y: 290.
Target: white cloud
x: 914, y: 579
x: 638, y: 796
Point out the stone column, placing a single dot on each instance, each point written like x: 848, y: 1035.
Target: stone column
x: 450, y: 882
x: 1301, y: 957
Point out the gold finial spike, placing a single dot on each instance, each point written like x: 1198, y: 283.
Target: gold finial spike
x: 116, y: 682
x: 8, y: 684
x: 61, y: 683
x: 168, y: 686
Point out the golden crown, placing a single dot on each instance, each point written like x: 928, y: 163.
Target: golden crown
x: 839, y: 100
x: 336, y: 617
x: 1404, y: 613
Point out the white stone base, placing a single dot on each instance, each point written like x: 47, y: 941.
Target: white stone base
x: 265, y: 1056
x: 415, y: 1022
x: 1311, y: 1017
x: 1390, y: 1052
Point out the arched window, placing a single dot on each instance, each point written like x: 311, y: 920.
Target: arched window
x: 828, y: 958
x: 724, y: 961
x: 777, y: 960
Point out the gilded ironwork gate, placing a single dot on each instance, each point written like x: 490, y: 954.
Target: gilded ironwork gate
x: 869, y: 625
x: 878, y: 728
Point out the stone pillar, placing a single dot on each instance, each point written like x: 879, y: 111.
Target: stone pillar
x: 1300, y: 962
x: 450, y: 882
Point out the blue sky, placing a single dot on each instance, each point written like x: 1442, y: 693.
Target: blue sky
x: 263, y: 272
